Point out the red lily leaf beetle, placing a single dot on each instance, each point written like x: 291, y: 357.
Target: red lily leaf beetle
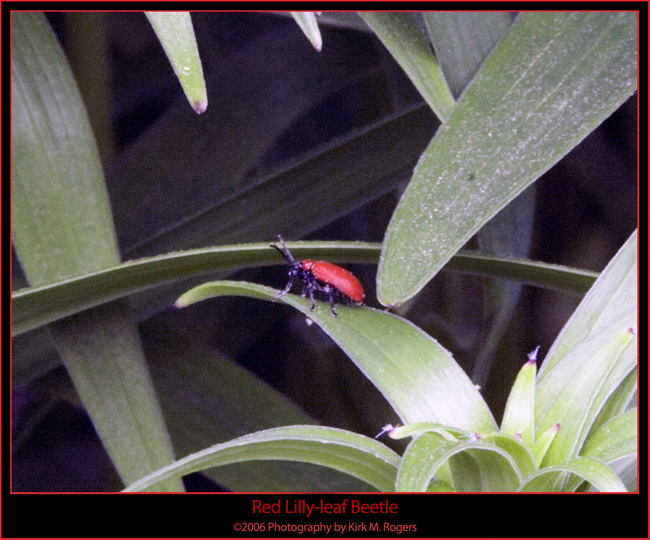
x: 337, y: 283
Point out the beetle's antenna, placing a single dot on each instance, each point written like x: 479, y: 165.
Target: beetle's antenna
x: 284, y: 251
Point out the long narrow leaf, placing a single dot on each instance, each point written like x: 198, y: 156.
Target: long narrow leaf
x: 610, y: 304
x: 207, y: 398
x: 401, y: 35
x: 415, y: 374
x: 615, y: 439
x: 612, y: 443
x: 551, y: 80
x: 353, y: 454
x: 55, y: 159
x: 575, y: 402
x: 592, y: 470
x: 519, y: 415
x: 35, y: 306
x: 543, y: 442
x: 176, y: 34
x: 307, y: 22
x: 495, y: 469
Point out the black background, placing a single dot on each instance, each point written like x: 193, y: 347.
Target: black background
x: 436, y: 515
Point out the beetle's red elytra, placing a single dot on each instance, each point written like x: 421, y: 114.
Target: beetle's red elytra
x: 337, y: 283
x: 340, y: 278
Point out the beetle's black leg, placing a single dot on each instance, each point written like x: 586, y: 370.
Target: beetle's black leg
x: 330, y: 298
x: 286, y: 289
x: 311, y: 297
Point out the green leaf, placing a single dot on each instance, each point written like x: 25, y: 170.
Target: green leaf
x: 35, y: 306
x: 485, y: 467
x: 176, y: 34
x: 564, y: 279
x: 613, y: 443
x: 519, y: 415
x: 353, y: 454
x: 543, y: 442
x: 415, y: 374
x: 55, y: 160
x: 462, y: 40
x: 586, y: 353
x: 307, y: 22
x: 609, y: 305
x: 101, y: 351
x: 438, y: 486
x: 577, y: 388
x: 551, y: 80
x: 522, y: 454
x: 414, y: 473
x: 418, y: 428
x: 403, y: 38
x: 592, y: 470
x: 201, y: 395
x: 614, y: 439
x: 621, y: 400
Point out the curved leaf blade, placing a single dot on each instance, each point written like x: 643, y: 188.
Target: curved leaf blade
x: 576, y: 401
x: 493, y: 468
x: 518, y: 450
x: 613, y: 443
x: 551, y: 80
x: 418, y: 428
x: 353, y: 454
x: 415, y: 374
x: 200, y: 393
x: 590, y: 469
x: 610, y: 304
x: 36, y: 306
x: 614, y: 439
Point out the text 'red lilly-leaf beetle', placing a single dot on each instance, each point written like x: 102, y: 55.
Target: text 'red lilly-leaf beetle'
x: 339, y: 284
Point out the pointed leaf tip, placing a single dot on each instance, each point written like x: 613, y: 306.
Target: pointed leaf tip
x: 200, y: 106
x: 532, y: 356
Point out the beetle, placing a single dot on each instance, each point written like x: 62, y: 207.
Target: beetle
x: 337, y: 283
